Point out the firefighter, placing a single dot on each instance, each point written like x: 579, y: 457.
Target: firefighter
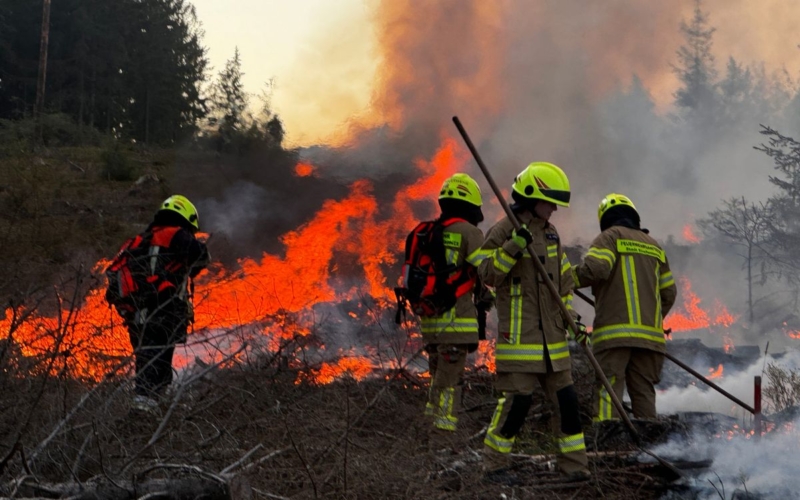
x: 532, y: 341
x: 175, y: 256
x: 450, y: 337
x: 634, y: 290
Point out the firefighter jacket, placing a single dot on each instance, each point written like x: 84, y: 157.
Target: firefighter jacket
x: 633, y: 288
x: 177, y: 257
x: 459, y: 325
x: 529, y: 320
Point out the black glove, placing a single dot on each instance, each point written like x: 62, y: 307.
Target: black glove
x: 522, y: 237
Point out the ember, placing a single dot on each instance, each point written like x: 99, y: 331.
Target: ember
x: 303, y: 169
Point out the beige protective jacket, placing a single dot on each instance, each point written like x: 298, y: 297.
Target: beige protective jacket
x: 529, y: 320
x: 459, y: 325
x: 633, y: 288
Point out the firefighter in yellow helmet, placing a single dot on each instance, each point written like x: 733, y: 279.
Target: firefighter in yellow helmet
x: 634, y: 290
x: 450, y: 335
x: 532, y: 339
x: 149, y: 287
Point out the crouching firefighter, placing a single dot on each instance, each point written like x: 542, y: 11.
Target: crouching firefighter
x: 634, y: 290
x: 149, y: 285
x: 532, y: 339
x: 440, y: 287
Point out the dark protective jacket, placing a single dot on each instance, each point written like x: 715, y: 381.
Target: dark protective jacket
x: 633, y: 288
x: 530, y: 323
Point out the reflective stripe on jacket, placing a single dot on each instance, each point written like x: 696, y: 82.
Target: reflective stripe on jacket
x: 633, y: 288
x: 529, y: 321
x: 459, y: 325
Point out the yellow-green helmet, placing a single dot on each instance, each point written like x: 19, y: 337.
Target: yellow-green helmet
x: 461, y: 187
x: 182, y: 205
x: 543, y: 181
x: 613, y: 200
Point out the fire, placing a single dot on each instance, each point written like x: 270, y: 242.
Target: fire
x: 303, y: 169
x: 485, y: 356
x: 792, y: 334
x: 358, y: 367
x: 712, y: 373
x: 689, y: 235
x: 343, y: 253
x: 693, y: 317
x: 728, y: 344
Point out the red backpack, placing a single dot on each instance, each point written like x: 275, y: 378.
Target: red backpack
x: 431, y: 286
x: 138, y: 273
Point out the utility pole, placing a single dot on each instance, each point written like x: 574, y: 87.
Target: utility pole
x: 39, y: 107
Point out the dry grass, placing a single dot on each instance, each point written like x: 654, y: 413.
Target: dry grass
x: 252, y: 418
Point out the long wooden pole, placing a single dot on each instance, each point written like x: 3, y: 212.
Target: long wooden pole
x: 688, y: 368
x: 557, y: 296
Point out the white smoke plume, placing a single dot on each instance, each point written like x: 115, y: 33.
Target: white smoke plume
x: 699, y: 397
x: 740, y: 463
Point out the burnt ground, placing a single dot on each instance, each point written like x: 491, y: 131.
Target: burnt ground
x: 346, y: 439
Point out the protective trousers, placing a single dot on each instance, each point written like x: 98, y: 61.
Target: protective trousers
x: 513, y: 406
x: 153, y: 346
x: 446, y: 362
x: 637, y: 369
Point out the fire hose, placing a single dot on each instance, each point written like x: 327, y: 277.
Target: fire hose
x: 564, y: 312
x: 688, y: 368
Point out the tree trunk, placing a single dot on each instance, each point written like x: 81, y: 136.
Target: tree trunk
x: 92, y: 96
x: 147, y: 116
x: 43, y: 43
x: 81, y: 98
x: 750, y: 281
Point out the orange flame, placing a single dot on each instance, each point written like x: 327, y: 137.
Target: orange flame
x: 303, y: 169
x: 712, y: 373
x: 277, y: 292
x: 689, y: 235
x: 357, y: 367
x: 792, y: 334
x: 693, y: 317
x: 728, y: 345
x: 485, y: 356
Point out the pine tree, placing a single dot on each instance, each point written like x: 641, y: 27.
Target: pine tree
x: 736, y: 93
x: 229, y: 103
x: 785, y: 225
x: 695, y: 68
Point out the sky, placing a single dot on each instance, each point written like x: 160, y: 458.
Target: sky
x: 319, y: 54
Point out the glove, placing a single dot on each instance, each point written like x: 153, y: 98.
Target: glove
x: 583, y: 336
x: 522, y: 237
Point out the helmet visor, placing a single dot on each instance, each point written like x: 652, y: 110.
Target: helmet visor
x: 554, y: 194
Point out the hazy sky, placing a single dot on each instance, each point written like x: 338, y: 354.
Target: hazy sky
x: 312, y: 49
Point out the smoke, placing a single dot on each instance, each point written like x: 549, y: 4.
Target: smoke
x: 588, y: 87
x: 765, y: 468
x: 739, y: 462
x: 701, y: 398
